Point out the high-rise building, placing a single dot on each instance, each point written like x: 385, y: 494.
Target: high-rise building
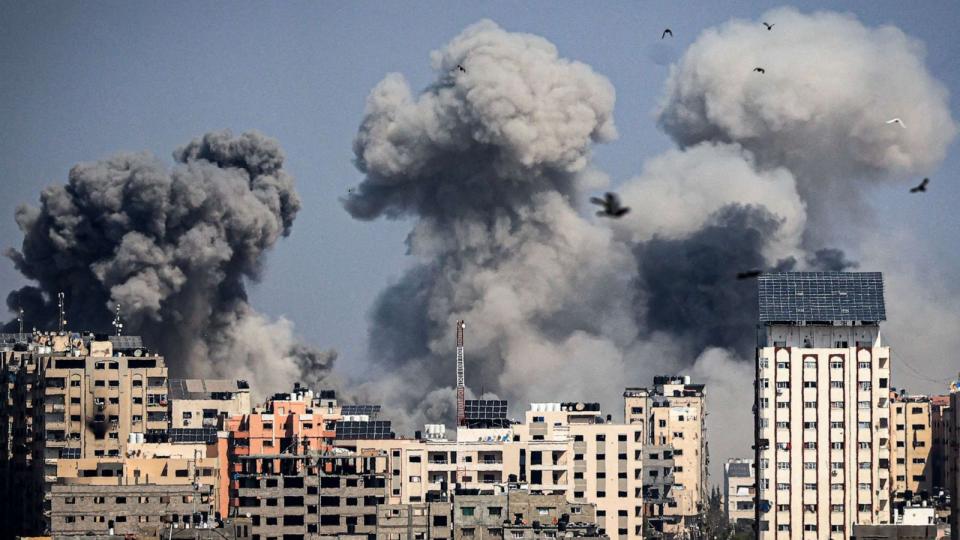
x: 671, y: 414
x: 738, y: 490
x: 822, y: 411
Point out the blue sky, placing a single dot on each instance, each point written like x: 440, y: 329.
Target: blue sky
x: 81, y: 81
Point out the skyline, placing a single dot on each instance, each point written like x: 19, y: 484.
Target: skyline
x: 356, y: 259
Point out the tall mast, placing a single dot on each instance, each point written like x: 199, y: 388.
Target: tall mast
x: 62, y: 320
x: 461, y: 387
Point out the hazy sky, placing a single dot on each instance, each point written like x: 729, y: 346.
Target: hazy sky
x: 80, y: 81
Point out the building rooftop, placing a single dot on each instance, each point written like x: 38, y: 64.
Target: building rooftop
x: 821, y: 296
x: 205, y: 388
x: 738, y: 470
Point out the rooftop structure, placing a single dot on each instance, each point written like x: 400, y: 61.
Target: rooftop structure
x: 821, y: 297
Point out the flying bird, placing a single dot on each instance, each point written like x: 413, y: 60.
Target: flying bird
x: 665, y: 32
x: 897, y: 121
x: 769, y: 26
x: 922, y: 187
x: 611, y: 206
x: 759, y: 70
x: 461, y: 68
x: 749, y: 274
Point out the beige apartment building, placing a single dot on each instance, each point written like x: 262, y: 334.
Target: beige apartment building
x: 739, y: 490
x: 569, y: 449
x: 822, y: 405
x: 911, y: 445
x: 672, y: 414
x: 206, y: 403
x: 953, y: 459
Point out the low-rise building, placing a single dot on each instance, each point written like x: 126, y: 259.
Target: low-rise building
x: 520, y: 514
x: 414, y: 521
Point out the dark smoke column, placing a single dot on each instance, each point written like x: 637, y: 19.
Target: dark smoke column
x: 172, y: 247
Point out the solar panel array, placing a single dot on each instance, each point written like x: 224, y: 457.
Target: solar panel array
x: 15, y: 337
x: 377, y: 429
x: 126, y: 342
x: 192, y: 435
x: 821, y: 296
x: 485, y: 409
x: 354, y: 410
x: 738, y: 470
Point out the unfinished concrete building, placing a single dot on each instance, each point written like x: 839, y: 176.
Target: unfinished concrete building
x: 127, y: 509
x: 414, y: 521
x: 295, y: 496
x: 206, y: 403
x: 911, y: 446
x: 517, y: 513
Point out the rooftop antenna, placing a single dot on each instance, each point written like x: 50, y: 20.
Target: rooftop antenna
x: 117, y: 323
x: 461, y: 417
x: 62, y: 321
x: 20, y: 319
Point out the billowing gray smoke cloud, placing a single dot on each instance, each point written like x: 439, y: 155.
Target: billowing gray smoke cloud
x: 819, y: 110
x: 173, y: 247
x: 493, y: 163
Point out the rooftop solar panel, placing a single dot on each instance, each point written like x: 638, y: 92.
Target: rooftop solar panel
x: 351, y: 430
x: 192, y: 435
x: 355, y: 410
x: 126, y: 342
x: 485, y: 409
x: 821, y: 296
x: 738, y: 470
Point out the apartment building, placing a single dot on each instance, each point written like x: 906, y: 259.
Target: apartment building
x: 126, y: 509
x: 296, y: 495
x: 940, y: 421
x: 822, y: 411
x: 560, y: 448
x: 517, y: 513
x: 739, y: 490
x: 206, y: 403
x: 658, y: 482
x: 953, y: 460
x: 415, y: 521
x: 911, y: 446
x: 672, y: 413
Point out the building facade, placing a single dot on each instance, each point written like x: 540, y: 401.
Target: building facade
x: 206, y: 403
x: 739, y: 489
x: 911, y: 446
x: 822, y: 411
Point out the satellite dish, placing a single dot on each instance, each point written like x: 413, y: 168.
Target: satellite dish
x: 580, y: 406
x: 138, y: 352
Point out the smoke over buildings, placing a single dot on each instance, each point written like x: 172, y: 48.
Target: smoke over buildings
x: 173, y: 247
x: 493, y: 165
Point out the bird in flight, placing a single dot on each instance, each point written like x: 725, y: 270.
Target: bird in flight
x: 759, y: 70
x: 461, y: 68
x: 897, y: 121
x: 749, y: 274
x: 611, y: 206
x: 769, y: 26
x: 665, y: 32
x: 922, y: 187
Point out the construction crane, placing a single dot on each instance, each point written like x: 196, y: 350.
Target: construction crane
x: 461, y: 416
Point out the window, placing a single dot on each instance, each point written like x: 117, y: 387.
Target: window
x: 809, y: 404
x: 783, y: 404
x: 783, y: 425
x: 764, y: 403
x: 837, y: 425
x: 836, y: 365
x: 764, y: 383
x: 838, y: 445
x: 783, y: 465
x: 836, y: 404
x: 836, y: 384
x: 416, y: 480
x: 783, y: 527
x: 836, y: 465
x: 864, y: 465
x: 810, y: 486
x: 810, y: 527
x: 809, y: 425
x: 809, y: 363
x: 865, y: 385
x: 810, y: 465
x: 783, y: 385
x: 809, y: 384
x: 467, y: 510
x: 810, y: 445
x: 783, y: 365
x: 783, y: 486
x: 414, y: 459
x: 864, y: 445
x: 863, y: 365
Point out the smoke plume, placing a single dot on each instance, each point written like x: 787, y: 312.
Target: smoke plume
x: 493, y: 165
x: 173, y: 247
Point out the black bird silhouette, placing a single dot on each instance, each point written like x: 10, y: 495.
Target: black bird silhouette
x: 749, y: 274
x: 759, y: 70
x: 665, y: 32
x: 611, y: 206
x: 769, y: 26
x: 922, y: 187
x: 461, y: 68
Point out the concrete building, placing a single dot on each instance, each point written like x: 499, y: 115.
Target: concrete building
x: 822, y: 411
x: 415, y: 521
x: 658, y: 482
x: 127, y: 509
x: 560, y: 448
x: 953, y: 460
x: 911, y: 445
x: 940, y: 417
x: 522, y: 515
x: 895, y: 532
x: 290, y: 495
x: 739, y: 490
x: 206, y: 403
x: 672, y: 413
